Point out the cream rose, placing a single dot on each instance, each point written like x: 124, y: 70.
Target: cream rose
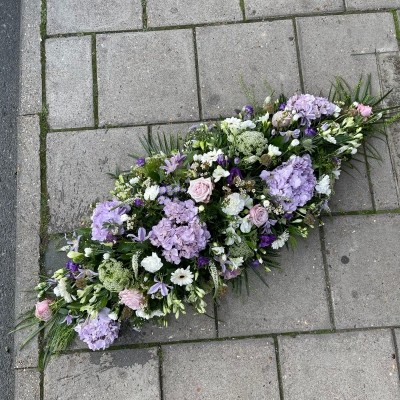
x: 258, y: 215
x: 200, y: 190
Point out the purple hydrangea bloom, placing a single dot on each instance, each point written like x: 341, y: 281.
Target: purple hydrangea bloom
x: 100, y: 332
x: 292, y: 183
x: 180, y: 233
x: 107, y: 222
x: 309, y: 107
x: 267, y: 240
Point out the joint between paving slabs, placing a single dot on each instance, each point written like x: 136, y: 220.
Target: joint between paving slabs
x: 369, y: 178
x: 160, y: 370
x: 327, y: 278
x: 298, y: 55
x: 396, y: 352
x: 278, y: 367
x: 95, y: 83
x: 196, y: 66
x: 396, y: 25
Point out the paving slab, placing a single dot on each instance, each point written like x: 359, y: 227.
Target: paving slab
x: 30, y: 87
x: 250, y: 53
x: 354, y: 365
x: 270, y: 309
x: 361, y: 5
x: 336, y: 46
x: 243, y: 369
x: 69, y: 83
x: 364, y: 269
x: 121, y: 374
x: 27, y: 384
x: 266, y: 9
x: 27, y: 231
x: 147, y: 77
x: 68, y: 16
x: 77, y: 167
x: 189, y: 12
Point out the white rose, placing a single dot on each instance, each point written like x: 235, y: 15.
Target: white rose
x: 234, y: 204
x: 152, y: 263
x: 151, y: 192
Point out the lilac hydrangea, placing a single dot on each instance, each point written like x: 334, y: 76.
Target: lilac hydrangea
x: 107, y: 221
x: 310, y: 108
x: 180, y: 233
x: 100, y: 332
x: 292, y: 183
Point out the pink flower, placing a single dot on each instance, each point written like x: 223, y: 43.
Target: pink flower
x: 365, y: 111
x: 258, y: 215
x: 132, y: 298
x: 43, y: 311
x: 200, y: 189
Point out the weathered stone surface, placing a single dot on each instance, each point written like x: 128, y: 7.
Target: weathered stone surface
x: 364, y: 269
x: 30, y: 87
x: 294, y: 301
x: 343, y: 45
x: 69, y: 84
x: 266, y: 9
x: 77, y: 167
x: 186, y: 12
x: 67, y: 16
x: 371, y: 4
x: 146, y: 77
x: 121, y: 374
x: 243, y: 369
x: 27, y: 384
x: 356, y: 365
x: 254, y: 53
x: 27, y: 232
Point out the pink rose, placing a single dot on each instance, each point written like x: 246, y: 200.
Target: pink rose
x: 200, y: 189
x: 258, y: 215
x: 365, y: 111
x: 132, y: 298
x: 43, y: 311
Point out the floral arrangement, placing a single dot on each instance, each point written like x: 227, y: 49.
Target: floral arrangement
x: 202, y: 212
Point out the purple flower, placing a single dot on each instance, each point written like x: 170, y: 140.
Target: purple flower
x: 266, y: 240
x: 141, y: 236
x: 230, y: 274
x: 247, y: 112
x: 171, y: 164
x: 100, y: 332
x: 159, y: 286
x: 282, y: 106
x: 310, y: 131
x: 68, y: 319
x: 140, y: 162
x: 236, y: 160
x: 194, y: 127
x: 255, y: 263
x: 292, y: 183
x: 138, y: 202
x: 202, y: 261
x: 234, y: 172
x: 222, y: 160
x: 71, y: 266
x: 107, y: 222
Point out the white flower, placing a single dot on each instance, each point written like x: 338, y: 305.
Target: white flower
x: 247, y: 125
x: 329, y: 138
x: 273, y: 150
x: 294, y: 143
x: 106, y: 256
x: 251, y: 159
x: 134, y: 181
x: 236, y: 262
x: 324, y: 185
x: 113, y: 316
x: 336, y: 173
x: 234, y: 204
x: 142, y: 314
x: 267, y: 100
x: 151, y: 192
x: 88, y: 251
x: 210, y: 157
x: 264, y: 118
x: 61, y: 290
x: 231, y: 123
x: 124, y: 217
x: 218, y: 250
x: 280, y: 242
x: 246, y: 224
x: 182, y: 276
x: 219, y: 173
x: 152, y: 263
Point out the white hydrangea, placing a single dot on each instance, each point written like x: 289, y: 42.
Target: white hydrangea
x: 324, y: 185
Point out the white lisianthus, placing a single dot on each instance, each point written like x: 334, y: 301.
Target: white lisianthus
x: 234, y: 204
x: 324, y: 185
x: 151, y: 192
x: 246, y: 225
x: 273, y: 150
x: 88, y: 251
x: 182, y: 277
x: 152, y: 263
x: 219, y: 173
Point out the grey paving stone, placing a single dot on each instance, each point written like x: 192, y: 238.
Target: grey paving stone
x: 77, y: 167
x: 121, y: 374
x: 27, y: 232
x: 371, y: 4
x: 356, y: 366
x: 294, y: 301
x: 265, y: 9
x: 146, y: 77
x: 352, y: 191
x: 343, y: 45
x: 243, y: 369
x: 30, y: 95
x: 187, y: 12
x: 254, y: 53
x: 67, y: 16
x: 69, y: 84
x: 364, y: 269
x: 27, y: 385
